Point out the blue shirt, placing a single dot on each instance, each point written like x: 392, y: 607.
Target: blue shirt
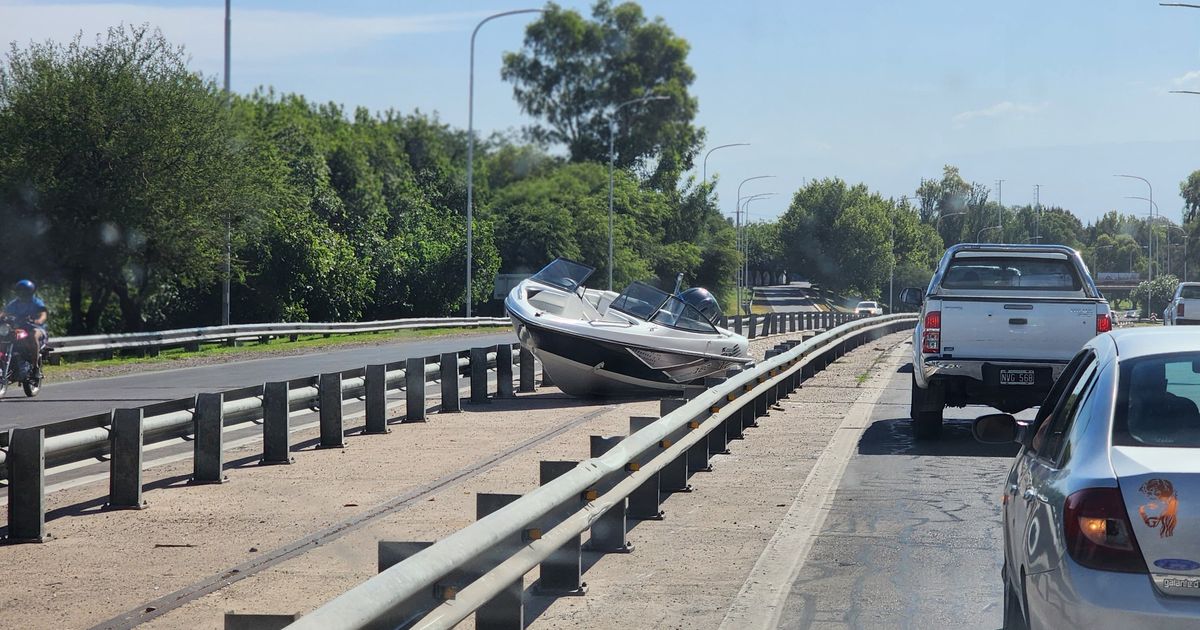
x: 23, y: 310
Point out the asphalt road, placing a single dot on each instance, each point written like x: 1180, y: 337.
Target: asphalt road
x: 787, y: 298
x: 913, y: 536
x: 74, y: 399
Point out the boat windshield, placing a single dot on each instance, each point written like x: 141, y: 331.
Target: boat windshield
x: 678, y: 314
x: 564, y: 274
x: 640, y: 300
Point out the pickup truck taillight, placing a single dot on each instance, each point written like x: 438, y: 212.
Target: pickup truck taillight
x: 1103, y: 323
x: 1098, y: 532
x: 931, y: 338
x: 1179, y: 310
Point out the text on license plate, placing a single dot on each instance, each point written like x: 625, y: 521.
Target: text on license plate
x: 1016, y: 377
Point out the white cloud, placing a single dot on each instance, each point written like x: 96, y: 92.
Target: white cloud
x: 259, y: 35
x: 1004, y: 109
x: 1187, y: 79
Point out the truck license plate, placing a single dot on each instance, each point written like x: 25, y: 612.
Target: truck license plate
x: 1016, y: 377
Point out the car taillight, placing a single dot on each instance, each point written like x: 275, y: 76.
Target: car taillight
x: 931, y: 338
x: 1098, y: 532
x: 21, y: 333
x: 1103, y: 323
x: 1179, y: 310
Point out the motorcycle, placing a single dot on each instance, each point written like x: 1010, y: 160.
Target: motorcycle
x: 14, y: 366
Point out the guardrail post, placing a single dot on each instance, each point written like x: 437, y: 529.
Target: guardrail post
x: 505, y: 611
x: 27, y: 486
x: 208, y: 456
x: 698, y: 453
x: 733, y: 423
x: 414, y: 389
x: 718, y: 439
x: 528, y: 372
x: 125, y: 467
x: 479, y: 370
x: 608, y: 531
x: 451, y: 402
x: 562, y: 572
x: 674, y: 476
x: 393, y: 552
x: 737, y: 324
x: 753, y: 330
x: 258, y: 621
x: 504, y: 371
x: 276, y: 449
x: 376, y: 390
x: 646, y: 499
x: 329, y: 394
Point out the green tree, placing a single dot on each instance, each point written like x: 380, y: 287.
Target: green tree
x: 1160, y: 290
x: 572, y: 72
x: 1189, y: 189
x: 123, y: 168
x: 838, y: 236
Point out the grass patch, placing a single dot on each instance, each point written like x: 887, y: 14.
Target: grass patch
x: 278, y: 345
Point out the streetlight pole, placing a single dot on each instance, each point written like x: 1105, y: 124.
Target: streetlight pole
x: 225, y: 296
x: 1150, y: 238
x: 979, y: 236
x: 704, y: 168
x: 738, y: 226
x: 471, y: 141
x: 1000, y: 202
x: 1172, y: 226
x: 612, y: 126
x: 1096, y: 257
x: 745, y: 239
x: 1037, y: 212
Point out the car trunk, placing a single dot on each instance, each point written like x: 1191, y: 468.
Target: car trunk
x: 1161, y: 489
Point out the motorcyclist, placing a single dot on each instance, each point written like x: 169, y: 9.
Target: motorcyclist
x: 30, y: 313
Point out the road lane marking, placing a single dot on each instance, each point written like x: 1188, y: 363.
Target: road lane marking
x: 760, y: 601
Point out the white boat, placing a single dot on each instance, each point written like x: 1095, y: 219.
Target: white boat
x: 594, y: 342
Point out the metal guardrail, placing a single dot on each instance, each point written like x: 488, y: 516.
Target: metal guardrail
x: 480, y: 569
x: 152, y: 341
x: 122, y: 434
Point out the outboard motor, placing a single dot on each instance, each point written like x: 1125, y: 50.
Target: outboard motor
x: 700, y: 299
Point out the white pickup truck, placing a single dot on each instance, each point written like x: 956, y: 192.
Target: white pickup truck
x: 998, y: 325
x: 1184, y: 309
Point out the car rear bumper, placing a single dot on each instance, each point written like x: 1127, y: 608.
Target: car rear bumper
x: 937, y: 367
x: 1073, y: 596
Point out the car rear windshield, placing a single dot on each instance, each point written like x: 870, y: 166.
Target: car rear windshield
x: 1190, y: 292
x: 1011, y: 274
x: 1158, y: 401
x: 866, y: 305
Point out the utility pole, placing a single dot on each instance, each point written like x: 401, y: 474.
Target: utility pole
x: 228, y: 220
x: 1037, y: 210
x: 1000, y: 202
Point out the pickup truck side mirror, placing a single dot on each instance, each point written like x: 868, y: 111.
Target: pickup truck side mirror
x: 995, y: 428
x: 912, y: 296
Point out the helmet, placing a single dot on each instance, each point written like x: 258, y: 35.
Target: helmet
x: 25, y: 288
x: 703, y: 301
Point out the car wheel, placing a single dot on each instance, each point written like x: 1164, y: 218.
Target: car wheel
x: 926, y: 423
x: 1014, y: 616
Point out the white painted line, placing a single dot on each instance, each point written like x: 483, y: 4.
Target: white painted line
x: 760, y: 602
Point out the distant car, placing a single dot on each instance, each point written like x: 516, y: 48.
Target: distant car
x: 1184, y: 309
x: 868, y: 309
x: 1101, y: 525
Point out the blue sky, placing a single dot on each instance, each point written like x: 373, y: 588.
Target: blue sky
x: 1062, y: 94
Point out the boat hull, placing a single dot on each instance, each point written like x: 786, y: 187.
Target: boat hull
x: 586, y: 366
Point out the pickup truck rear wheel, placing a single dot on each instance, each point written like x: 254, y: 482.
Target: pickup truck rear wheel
x: 926, y: 411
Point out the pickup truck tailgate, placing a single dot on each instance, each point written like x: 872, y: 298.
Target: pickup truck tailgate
x: 1016, y: 329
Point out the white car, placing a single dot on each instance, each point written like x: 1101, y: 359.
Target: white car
x: 1101, y: 507
x: 868, y: 309
x: 1184, y: 309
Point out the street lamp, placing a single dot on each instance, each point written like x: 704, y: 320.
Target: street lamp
x: 745, y: 237
x: 1154, y: 211
x: 1096, y: 256
x: 1171, y: 226
x: 471, y: 139
x: 979, y: 236
x: 612, y: 119
x: 738, y: 226
x: 704, y: 169
x: 1150, y: 238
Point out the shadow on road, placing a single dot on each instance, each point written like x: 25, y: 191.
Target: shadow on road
x: 894, y: 437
